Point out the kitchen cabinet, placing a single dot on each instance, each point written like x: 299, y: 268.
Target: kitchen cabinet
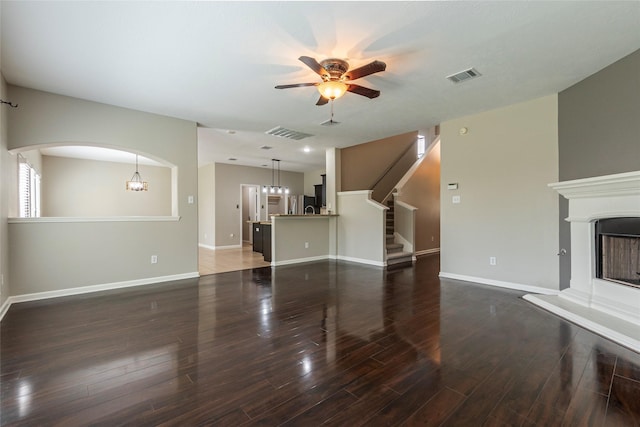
x: 321, y: 194
x: 257, y: 236
x: 266, y: 242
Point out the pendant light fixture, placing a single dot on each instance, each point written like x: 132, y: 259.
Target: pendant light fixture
x: 273, y: 188
x: 136, y: 183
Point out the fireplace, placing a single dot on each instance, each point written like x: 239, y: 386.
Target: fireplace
x: 604, y: 290
x: 617, y: 250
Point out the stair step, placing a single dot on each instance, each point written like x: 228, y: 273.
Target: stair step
x: 394, y: 249
x: 394, y: 246
x: 400, y: 255
x: 399, y: 258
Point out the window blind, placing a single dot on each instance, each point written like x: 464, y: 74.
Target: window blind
x: 28, y: 189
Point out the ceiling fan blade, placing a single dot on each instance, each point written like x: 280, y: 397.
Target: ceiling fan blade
x: 322, y: 100
x: 365, y: 70
x: 364, y: 91
x: 314, y: 65
x: 296, y: 85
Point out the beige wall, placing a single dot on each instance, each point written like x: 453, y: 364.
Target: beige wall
x: 502, y: 165
x: 291, y: 234
x: 362, y: 165
x: 207, y: 205
x: 360, y: 228
x: 228, y: 195
x: 103, y: 253
x: 75, y: 187
x: 6, y: 162
x: 422, y: 190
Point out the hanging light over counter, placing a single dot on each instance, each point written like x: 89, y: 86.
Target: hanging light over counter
x: 273, y: 188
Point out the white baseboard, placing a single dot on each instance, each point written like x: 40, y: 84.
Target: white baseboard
x: 201, y: 245
x: 217, y: 248
x: 93, y: 288
x: 4, y: 308
x: 500, y: 284
x: 299, y: 260
x: 362, y: 261
x: 427, y: 252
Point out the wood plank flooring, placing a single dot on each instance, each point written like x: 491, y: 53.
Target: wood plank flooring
x: 325, y: 343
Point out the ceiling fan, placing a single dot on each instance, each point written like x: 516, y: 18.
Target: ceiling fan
x: 336, y: 78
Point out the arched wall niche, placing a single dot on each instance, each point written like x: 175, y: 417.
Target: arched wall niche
x: 87, y: 180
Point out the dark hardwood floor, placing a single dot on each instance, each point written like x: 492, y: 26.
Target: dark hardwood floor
x: 320, y: 343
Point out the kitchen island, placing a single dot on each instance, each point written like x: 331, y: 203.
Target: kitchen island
x: 290, y: 239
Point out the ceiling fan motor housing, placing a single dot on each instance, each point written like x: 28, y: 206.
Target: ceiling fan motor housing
x: 335, y: 67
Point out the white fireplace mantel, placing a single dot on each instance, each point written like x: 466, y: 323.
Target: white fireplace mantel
x: 607, y: 308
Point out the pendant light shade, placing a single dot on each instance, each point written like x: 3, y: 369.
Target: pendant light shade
x: 136, y: 183
x: 332, y: 89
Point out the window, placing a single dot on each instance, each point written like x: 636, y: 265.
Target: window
x: 421, y: 146
x: 28, y: 189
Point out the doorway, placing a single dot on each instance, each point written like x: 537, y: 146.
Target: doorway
x: 249, y: 210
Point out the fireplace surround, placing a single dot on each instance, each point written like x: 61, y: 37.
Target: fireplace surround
x: 606, y: 305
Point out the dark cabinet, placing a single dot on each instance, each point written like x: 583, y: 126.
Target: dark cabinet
x: 318, y: 199
x: 266, y: 242
x: 321, y: 194
x: 257, y: 236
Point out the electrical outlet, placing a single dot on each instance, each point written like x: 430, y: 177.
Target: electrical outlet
x: 154, y: 259
x: 455, y: 199
x: 306, y: 245
x: 492, y: 260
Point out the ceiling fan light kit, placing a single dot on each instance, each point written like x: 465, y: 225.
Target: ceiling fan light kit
x: 332, y: 89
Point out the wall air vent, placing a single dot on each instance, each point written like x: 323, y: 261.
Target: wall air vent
x: 287, y: 133
x: 462, y: 76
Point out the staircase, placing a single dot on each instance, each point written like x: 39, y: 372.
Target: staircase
x: 396, y: 256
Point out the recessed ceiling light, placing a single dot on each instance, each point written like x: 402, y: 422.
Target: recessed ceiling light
x: 266, y: 147
x: 306, y: 149
x: 233, y: 159
x: 231, y: 132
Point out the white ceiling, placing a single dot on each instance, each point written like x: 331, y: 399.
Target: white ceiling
x: 216, y: 63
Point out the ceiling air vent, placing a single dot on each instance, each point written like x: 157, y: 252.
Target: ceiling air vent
x: 471, y: 73
x: 287, y: 133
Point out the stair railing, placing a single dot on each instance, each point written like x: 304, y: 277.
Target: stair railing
x: 385, y: 184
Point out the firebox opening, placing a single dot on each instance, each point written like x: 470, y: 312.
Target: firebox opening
x: 618, y: 250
